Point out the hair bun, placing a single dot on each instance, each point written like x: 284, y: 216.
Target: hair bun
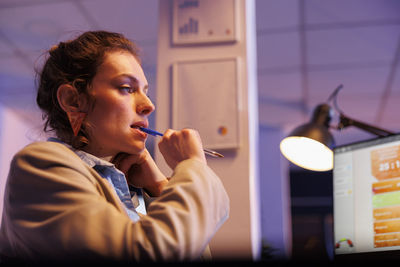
x: 53, y: 48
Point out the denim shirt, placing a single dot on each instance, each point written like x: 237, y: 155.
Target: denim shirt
x: 131, y: 197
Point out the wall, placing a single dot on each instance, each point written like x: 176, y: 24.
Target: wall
x: 17, y: 130
x: 275, y: 195
x: 239, y: 237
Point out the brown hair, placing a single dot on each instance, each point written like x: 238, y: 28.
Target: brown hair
x: 74, y: 62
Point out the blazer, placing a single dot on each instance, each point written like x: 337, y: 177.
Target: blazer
x: 56, y: 207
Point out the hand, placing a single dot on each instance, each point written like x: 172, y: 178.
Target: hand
x: 177, y: 146
x: 141, y: 171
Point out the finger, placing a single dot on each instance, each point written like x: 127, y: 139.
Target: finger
x: 168, y: 132
x: 126, y: 161
x: 191, y: 134
x: 117, y: 159
x: 167, y: 135
x: 123, y: 162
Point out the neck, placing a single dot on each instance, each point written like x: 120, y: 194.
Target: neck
x: 104, y: 155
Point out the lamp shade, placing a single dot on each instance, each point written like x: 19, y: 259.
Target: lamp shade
x: 309, y: 145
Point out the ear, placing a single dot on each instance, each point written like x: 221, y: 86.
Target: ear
x: 68, y: 98
x: 72, y: 103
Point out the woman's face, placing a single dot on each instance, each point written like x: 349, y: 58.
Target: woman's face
x: 121, y: 105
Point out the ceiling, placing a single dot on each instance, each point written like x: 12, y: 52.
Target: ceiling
x: 305, y: 49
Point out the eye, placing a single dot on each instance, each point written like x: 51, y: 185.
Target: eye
x: 127, y: 89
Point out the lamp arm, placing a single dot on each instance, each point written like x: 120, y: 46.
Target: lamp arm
x: 346, y: 121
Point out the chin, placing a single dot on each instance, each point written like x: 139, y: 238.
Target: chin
x: 135, y: 148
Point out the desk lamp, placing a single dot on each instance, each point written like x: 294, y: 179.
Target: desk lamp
x: 310, y: 145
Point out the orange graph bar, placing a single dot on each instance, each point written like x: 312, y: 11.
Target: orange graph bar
x: 386, y: 186
x: 388, y: 240
x: 387, y: 226
x: 386, y: 213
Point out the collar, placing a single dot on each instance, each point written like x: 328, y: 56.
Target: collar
x: 89, y: 159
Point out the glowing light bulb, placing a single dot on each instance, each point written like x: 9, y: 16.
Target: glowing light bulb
x: 307, y: 153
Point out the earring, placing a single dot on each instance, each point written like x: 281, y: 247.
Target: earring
x: 75, y: 119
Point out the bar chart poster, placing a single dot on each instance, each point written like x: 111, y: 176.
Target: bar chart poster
x: 204, y: 21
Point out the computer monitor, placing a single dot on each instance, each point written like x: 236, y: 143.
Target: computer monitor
x: 366, y: 198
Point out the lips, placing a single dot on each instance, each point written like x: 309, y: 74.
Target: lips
x: 139, y: 124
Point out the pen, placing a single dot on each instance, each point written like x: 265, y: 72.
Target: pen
x: 206, y: 151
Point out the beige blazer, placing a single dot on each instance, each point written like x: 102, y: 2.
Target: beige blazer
x: 57, y: 207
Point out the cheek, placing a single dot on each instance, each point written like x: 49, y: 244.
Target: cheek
x: 111, y: 112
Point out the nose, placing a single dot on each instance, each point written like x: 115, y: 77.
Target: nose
x: 145, y: 106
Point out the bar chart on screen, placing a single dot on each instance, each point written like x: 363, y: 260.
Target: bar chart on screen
x: 385, y: 165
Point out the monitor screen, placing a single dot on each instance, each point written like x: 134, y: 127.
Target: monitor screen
x: 366, y: 197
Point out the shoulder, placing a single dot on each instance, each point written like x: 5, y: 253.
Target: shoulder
x: 44, y: 147
x: 46, y: 156
x: 51, y: 164
x: 51, y: 151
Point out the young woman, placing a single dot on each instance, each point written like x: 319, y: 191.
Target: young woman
x: 69, y: 198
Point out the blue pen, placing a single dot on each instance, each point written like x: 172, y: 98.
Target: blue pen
x: 206, y: 151
x: 150, y: 131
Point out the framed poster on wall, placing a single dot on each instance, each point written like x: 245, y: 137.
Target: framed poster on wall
x: 205, y: 97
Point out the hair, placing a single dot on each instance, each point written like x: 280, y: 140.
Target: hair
x: 74, y: 62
